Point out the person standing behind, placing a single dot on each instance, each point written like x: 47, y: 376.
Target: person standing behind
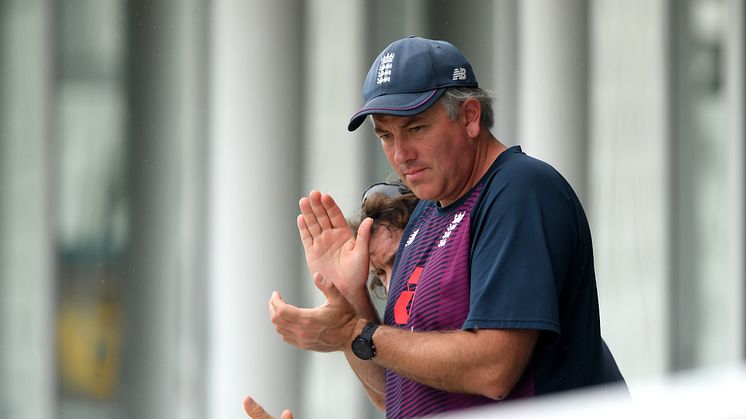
x: 493, y: 293
x: 389, y: 205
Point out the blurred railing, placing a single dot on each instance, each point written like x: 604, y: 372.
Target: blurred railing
x: 707, y: 393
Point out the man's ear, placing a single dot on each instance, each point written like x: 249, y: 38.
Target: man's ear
x: 471, y: 111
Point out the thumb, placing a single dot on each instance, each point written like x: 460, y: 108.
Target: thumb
x: 254, y: 410
x: 286, y: 414
x: 362, y: 241
x: 326, y: 287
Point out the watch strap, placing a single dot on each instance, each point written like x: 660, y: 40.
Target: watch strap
x: 368, y: 330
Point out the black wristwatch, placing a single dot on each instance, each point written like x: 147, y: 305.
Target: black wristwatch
x: 362, y: 346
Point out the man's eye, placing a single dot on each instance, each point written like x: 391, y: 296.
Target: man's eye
x: 416, y: 129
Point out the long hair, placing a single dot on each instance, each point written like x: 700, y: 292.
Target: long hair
x: 387, y: 212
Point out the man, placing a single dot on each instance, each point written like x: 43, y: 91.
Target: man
x: 493, y: 292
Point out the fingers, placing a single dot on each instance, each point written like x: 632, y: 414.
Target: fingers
x: 282, y: 313
x: 255, y: 411
x: 319, y: 210
x: 286, y: 319
x: 314, y: 214
x: 326, y: 287
x: 306, y: 211
x: 272, y: 313
x: 273, y: 301
x: 305, y: 235
x: 334, y: 213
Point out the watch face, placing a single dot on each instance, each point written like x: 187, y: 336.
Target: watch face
x: 362, y: 348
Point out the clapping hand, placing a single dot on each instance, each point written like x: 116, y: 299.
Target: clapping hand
x: 330, y: 247
x: 326, y: 328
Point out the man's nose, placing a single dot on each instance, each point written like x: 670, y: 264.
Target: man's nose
x: 403, y: 152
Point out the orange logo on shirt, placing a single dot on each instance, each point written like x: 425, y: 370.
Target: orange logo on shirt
x: 404, y: 302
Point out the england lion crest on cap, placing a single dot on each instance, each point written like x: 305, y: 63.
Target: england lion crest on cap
x: 384, y: 70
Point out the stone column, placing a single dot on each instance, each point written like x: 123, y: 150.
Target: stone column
x: 735, y: 67
x: 165, y: 283
x: 335, y: 161
x: 502, y: 81
x: 27, y: 276
x: 629, y: 181
x: 552, y: 91
x: 255, y: 160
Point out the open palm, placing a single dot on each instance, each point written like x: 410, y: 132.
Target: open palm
x: 330, y: 247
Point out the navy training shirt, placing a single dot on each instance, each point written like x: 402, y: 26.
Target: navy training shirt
x: 514, y: 253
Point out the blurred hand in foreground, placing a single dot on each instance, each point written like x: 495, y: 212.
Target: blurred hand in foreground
x: 256, y: 411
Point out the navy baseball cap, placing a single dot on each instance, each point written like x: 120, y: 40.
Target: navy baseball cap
x: 410, y: 75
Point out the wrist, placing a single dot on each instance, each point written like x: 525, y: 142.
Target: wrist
x: 353, y: 291
x: 357, y: 327
x: 363, y: 346
x: 361, y: 302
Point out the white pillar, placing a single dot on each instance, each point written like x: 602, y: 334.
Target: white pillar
x: 333, y: 75
x: 503, y: 78
x: 164, y: 340
x: 629, y: 180
x: 552, y: 85
x: 27, y: 291
x: 335, y: 162
x: 735, y: 57
x: 255, y: 159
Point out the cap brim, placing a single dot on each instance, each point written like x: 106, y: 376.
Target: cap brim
x: 399, y: 104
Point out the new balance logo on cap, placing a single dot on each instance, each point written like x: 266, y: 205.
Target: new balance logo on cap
x: 459, y: 73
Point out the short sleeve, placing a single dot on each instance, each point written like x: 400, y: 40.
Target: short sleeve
x: 522, y: 239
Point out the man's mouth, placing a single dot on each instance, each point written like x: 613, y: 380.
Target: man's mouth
x: 410, y: 173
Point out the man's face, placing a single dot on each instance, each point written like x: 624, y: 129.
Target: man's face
x: 433, y: 155
x: 383, y: 246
